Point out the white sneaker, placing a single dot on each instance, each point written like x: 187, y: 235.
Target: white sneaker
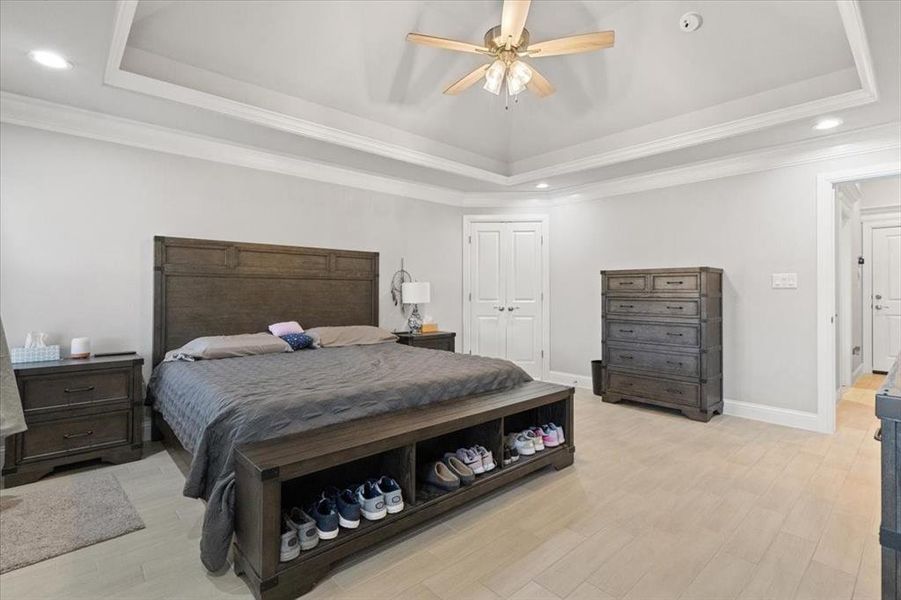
x: 536, y: 439
x: 560, y: 437
x: 486, y: 455
x: 523, y: 445
x: 472, y: 460
x: 290, y: 547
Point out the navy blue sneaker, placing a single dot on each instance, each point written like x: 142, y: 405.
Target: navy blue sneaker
x: 347, y: 505
x: 326, y: 517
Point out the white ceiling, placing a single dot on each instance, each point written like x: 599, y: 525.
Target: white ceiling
x: 343, y: 68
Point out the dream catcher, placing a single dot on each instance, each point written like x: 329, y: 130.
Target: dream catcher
x: 401, y: 277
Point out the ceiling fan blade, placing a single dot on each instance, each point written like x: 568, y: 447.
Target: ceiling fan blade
x: 445, y: 44
x: 538, y: 85
x: 467, y: 81
x: 574, y: 44
x: 513, y: 21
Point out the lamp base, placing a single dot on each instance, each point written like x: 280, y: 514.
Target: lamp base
x: 415, y: 320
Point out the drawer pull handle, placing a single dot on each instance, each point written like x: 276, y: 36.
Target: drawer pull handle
x: 626, y: 331
x: 627, y: 306
x: 626, y: 384
x: 70, y: 436
x: 673, y: 362
x: 86, y: 388
x: 675, y: 307
x: 674, y: 391
x: 674, y: 282
x: 627, y: 283
x: 626, y: 356
x: 674, y: 334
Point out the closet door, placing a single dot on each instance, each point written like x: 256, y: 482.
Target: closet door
x: 488, y: 250
x: 523, y: 295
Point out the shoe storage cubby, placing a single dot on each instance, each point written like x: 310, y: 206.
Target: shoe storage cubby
x: 275, y: 475
x: 429, y: 450
x: 555, y: 412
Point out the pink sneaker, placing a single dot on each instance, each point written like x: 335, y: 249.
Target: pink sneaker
x: 537, y: 437
x: 549, y: 436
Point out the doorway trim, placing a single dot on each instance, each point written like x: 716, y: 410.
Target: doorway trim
x: 468, y: 220
x: 868, y: 223
x: 826, y: 283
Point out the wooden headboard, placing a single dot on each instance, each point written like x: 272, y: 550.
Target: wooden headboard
x: 207, y: 287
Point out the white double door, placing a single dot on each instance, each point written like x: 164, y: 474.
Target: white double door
x: 506, y: 299
x: 886, y: 301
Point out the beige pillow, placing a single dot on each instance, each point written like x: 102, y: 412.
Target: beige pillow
x: 229, y: 346
x: 352, y: 335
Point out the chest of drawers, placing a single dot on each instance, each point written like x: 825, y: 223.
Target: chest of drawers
x: 662, y: 338
x: 76, y: 410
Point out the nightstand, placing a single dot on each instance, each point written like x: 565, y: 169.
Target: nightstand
x: 440, y: 340
x: 76, y: 410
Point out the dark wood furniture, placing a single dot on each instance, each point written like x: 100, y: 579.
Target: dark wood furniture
x: 76, y: 410
x: 662, y: 338
x: 290, y: 471
x: 205, y: 287
x: 888, y: 409
x: 439, y: 340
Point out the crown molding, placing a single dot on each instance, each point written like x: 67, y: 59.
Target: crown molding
x: 59, y: 118
x: 49, y: 116
x: 849, y: 11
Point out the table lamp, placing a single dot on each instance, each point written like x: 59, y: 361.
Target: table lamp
x: 416, y: 293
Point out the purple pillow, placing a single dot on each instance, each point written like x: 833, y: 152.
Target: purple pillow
x: 282, y: 329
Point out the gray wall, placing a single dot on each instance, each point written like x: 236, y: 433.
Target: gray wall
x: 750, y: 225
x: 77, y: 220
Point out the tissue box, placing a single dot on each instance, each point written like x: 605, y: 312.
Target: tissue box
x: 24, y: 355
x: 429, y: 327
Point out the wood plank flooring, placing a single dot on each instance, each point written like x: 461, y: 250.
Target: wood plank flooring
x: 655, y: 506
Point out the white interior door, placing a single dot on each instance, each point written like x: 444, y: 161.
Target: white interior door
x: 886, y: 297
x: 487, y: 287
x: 523, y: 275
x: 506, y: 278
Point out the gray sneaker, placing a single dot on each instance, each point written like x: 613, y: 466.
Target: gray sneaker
x: 305, y: 527
x: 372, y: 502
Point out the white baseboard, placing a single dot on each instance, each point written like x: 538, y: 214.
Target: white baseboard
x: 579, y: 381
x: 788, y: 417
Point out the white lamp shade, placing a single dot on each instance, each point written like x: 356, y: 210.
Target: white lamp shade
x: 417, y: 292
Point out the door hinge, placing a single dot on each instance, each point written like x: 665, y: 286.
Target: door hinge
x: 542, y: 354
x: 470, y: 239
x: 470, y: 296
x: 542, y: 240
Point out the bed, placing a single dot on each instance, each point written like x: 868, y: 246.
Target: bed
x: 214, y: 409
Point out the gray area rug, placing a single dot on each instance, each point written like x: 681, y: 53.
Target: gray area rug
x: 50, y: 518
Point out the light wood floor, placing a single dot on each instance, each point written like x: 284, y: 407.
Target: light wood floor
x: 655, y: 506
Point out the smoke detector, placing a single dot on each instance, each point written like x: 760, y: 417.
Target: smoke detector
x: 690, y: 21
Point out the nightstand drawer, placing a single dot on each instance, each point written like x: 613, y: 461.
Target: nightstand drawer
x: 66, y: 436
x: 72, y: 389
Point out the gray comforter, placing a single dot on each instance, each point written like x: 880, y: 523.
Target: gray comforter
x: 215, y: 405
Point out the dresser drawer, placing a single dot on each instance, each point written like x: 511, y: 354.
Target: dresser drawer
x: 66, y: 436
x: 688, y: 365
x: 59, y: 391
x: 629, y: 283
x: 654, y: 333
x: 654, y: 307
x: 676, y: 392
x: 676, y: 283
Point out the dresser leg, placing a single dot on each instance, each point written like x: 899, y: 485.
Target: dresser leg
x: 19, y: 477
x: 698, y: 415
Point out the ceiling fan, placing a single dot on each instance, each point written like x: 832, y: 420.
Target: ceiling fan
x: 508, y: 43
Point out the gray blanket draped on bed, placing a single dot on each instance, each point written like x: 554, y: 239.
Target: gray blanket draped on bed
x: 12, y: 419
x: 215, y: 405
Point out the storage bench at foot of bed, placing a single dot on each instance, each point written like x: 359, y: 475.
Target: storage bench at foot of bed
x: 288, y: 471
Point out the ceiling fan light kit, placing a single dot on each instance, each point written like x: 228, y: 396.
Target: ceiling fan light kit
x: 507, y: 44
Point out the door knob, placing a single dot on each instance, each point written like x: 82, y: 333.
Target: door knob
x: 512, y: 308
x: 879, y: 296
x: 877, y: 307
x: 499, y: 308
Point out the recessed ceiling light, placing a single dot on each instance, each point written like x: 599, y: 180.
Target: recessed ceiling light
x: 827, y: 123
x: 49, y: 59
x: 542, y: 186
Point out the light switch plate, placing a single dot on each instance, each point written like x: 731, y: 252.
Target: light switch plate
x: 785, y: 281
